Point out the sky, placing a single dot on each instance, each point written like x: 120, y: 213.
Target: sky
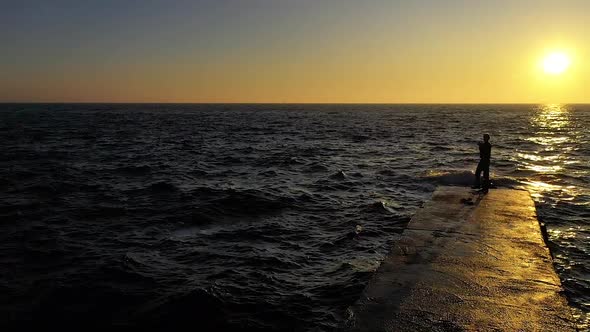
x: 293, y: 51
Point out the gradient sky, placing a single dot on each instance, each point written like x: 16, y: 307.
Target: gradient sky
x: 341, y: 51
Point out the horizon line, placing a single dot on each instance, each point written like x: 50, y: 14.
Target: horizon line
x: 291, y: 103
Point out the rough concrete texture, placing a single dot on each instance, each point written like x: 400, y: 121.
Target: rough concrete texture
x: 467, y: 262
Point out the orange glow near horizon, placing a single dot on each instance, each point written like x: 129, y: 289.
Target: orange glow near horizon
x: 304, y: 52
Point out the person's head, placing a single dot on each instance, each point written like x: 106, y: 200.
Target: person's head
x: 486, y: 137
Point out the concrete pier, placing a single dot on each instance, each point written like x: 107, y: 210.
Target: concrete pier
x: 467, y: 262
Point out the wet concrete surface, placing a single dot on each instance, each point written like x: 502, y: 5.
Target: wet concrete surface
x: 467, y: 262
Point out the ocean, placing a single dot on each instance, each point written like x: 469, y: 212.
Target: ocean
x: 254, y: 217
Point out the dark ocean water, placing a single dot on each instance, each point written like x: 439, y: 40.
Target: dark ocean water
x: 268, y: 217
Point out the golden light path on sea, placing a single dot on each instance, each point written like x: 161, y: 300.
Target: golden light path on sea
x: 551, y: 132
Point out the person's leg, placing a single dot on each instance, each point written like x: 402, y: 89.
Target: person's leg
x: 478, y: 171
x: 486, y: 175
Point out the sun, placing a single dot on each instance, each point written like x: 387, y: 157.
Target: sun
x: 556, y: 63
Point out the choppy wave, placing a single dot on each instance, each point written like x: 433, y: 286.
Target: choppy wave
x: 253, y: 217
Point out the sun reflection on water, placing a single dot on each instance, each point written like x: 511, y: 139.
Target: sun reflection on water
x: 551, y: 132
x: 553, y: 116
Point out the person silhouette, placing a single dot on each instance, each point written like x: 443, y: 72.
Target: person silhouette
x: 485, y: 154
